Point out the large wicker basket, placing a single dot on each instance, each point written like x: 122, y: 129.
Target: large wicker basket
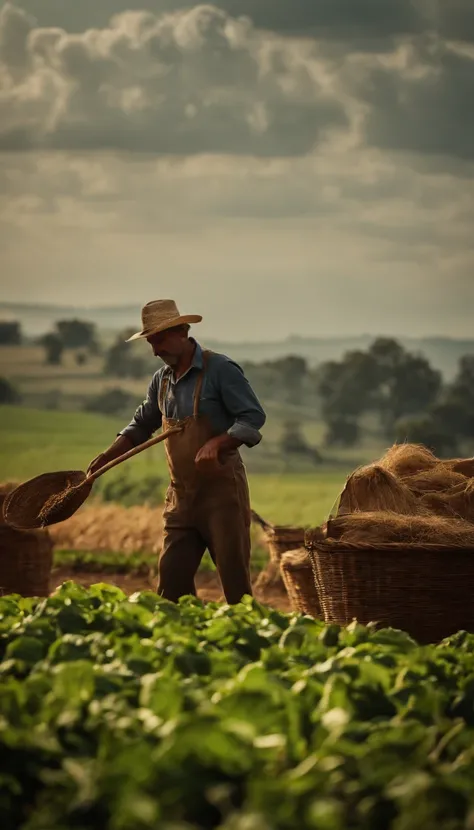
x: 297, y: 574
x: 426, y: 590
x: 26, y: 560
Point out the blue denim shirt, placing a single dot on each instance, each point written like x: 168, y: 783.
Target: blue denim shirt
x: 227, y: 399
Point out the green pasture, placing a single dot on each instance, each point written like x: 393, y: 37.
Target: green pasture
x: 36, y: 441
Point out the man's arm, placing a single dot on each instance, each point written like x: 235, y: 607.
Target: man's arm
x: 241, y: 402
x: 146, y: 420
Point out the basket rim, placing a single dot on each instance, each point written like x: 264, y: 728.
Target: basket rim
x: 289, y: 530
x: 336, y: 546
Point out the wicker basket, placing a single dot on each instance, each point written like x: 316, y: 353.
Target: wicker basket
x: 297, y: 574
x: 26, y: 560
x: 281, y: 539
x: 425, y: 590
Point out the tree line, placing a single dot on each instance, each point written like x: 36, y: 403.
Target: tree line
x: 394, y: 390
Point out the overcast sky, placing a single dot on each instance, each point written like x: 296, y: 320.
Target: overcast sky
x: 278, y: 166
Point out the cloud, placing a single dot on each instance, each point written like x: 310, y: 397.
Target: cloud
x: 197, y: 81
x: 350, y: 20
x: 421, y: 101
x: 359, y: 24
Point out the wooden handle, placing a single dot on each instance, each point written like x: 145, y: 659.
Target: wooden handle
x: 130, y: 453
x: 258, y: 519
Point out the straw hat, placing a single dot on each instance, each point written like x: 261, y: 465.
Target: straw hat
x: 159, y: 315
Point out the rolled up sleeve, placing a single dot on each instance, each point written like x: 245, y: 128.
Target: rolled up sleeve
x: 147, y: 418
x: 241, y: 403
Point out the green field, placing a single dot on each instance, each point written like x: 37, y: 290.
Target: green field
x: 36, y: 441
x: 51, y: 432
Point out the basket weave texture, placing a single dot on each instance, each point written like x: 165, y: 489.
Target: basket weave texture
x: 26, y: 557
x: 26, y: 560
x: 425, y: 590
x: 281, y: 539
x: 297, y: 574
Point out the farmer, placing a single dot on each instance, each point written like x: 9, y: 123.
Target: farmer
x: 207, y: 503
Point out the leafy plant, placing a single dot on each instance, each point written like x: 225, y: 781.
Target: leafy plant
x: 132, y: 713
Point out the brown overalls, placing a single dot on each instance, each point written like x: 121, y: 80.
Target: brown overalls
x: 203, y: 510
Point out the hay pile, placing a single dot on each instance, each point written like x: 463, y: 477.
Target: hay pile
x: 407, y: 459
x: 111, y: 527
x: 375, y: 488
x: 408, y: 496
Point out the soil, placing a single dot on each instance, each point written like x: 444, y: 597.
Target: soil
x: 207, y: 585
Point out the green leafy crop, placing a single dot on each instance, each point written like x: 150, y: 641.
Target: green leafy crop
x: 134, y: 713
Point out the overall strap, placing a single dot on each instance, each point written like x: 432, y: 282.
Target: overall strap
x: 163, y: 392
x: 198, y: 387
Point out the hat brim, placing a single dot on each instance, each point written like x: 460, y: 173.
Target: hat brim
x: 170, y: 324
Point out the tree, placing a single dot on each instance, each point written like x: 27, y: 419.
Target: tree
x: 54, y: 348
x: 293, y: 441
x: 9, y: 394
x: 10, y: 333
x: 112, y: 402
x: 386, y: 379
x: 348, y: 386
x: 341, y: 431
x: 77, y: 334
x: 291, y: 372
x: 120, y: 361
x: 453, y: 412
x: 387, y: 353
x: 409, y: 387
x: 425, y: 430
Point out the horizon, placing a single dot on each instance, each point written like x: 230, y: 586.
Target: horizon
x: 363, y: 335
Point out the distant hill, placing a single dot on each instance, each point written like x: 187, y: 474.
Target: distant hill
x: 442, y: 352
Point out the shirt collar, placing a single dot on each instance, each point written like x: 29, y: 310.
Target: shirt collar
x: 198, y: 362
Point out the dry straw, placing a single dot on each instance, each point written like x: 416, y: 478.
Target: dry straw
x: 437, y: 479
x: 384, y: 527
x: 113, y: 528
x: 456, y: 502
x: 407, y: 459
x: 465, y: 466
x: 373, y: 488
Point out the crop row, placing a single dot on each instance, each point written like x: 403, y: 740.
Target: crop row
x: 136, y: 714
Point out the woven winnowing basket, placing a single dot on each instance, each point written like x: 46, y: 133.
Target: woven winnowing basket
x: 26, y: 560
x: 297, y: 574
x: 425, y: 590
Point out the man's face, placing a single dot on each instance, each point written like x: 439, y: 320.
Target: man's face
x: 169, y: 345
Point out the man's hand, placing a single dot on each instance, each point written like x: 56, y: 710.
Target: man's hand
x: 96, y: 463
x: 210, y: 455
x: 121, y: 445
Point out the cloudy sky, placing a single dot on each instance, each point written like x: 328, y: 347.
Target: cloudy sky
x: 278, y: 166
